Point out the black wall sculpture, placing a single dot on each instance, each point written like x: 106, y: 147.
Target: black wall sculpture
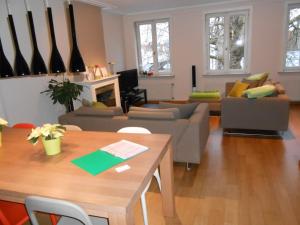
x: 76, y: 61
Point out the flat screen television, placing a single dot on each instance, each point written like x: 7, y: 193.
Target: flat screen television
x: 128, y: 80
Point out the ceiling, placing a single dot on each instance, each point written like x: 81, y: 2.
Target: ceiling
x: 136, y: 6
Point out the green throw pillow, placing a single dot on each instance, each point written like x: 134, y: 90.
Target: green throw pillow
x: 260, y: 78
x: 259, y: 92
x: 206, y: 94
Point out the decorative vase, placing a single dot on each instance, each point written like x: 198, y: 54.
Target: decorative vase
x: 52, y: 147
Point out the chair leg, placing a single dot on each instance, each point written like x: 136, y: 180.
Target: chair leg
x: 143, y: 196
x: 144, y: 207
x: 53, y: 219
x: 188, y: 166
x: 156, y: 175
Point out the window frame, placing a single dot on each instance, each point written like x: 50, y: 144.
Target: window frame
x: 289, y: 5
x: 153, y: 23
x: 227, y: 14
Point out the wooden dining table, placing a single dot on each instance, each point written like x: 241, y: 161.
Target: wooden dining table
x: 26, y: 170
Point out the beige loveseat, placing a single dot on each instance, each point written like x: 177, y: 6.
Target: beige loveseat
x: 189, y: 135
x: 267, y: 113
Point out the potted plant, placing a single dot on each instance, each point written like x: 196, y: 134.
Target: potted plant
x: 2, y: 124
x: 64, y: 92
x: 51, y: 137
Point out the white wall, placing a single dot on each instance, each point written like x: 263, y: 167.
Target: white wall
x: 113, y: 39
x: 20, y: 98
x: 187, y: 48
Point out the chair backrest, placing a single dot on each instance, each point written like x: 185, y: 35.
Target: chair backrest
x: 72, y: 127
x: 134, y: 130
x: 24, y: 125
x: 54, y: 206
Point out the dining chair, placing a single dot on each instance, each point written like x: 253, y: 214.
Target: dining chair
x: 12, y: 213
x: 72, y: 127
x: 142, y: 130
x: 70, y: 213
x: 24, y: 125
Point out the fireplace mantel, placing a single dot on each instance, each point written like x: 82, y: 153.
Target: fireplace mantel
x: 89, y: 89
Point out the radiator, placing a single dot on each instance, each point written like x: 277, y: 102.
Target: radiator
x: 159, y: 91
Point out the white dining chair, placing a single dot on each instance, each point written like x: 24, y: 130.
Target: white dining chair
x: 70, y: 213
x: 142, y: 130
x: 72, y: 127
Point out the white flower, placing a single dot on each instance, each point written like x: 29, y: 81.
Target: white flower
x: 48, y: 131
x: 45, y: 131
x: 35, y: 133
x: 3, y: 122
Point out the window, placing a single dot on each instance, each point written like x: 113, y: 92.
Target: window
x: 153, y: 40
x: 227, y: 42
x: 292, y: 54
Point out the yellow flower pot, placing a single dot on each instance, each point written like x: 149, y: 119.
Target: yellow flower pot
x: 52, y: 147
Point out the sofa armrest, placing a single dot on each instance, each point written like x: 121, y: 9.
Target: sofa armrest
x: 268, y: 113
x: 193, y: 141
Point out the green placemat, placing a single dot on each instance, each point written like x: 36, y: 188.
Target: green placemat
x: 97, y: 162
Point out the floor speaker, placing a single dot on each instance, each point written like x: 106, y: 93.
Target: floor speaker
x: 193, y: 77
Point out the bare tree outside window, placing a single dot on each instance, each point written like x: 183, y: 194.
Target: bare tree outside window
x: 153, y: 39
x: 227, y: 41
x: 293, y: 38
x: 237, y: 42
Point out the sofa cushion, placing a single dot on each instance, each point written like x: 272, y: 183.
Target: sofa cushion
x: 279, y: 88
x: 259, y: 78
x: 252, y: 83
x: 91, y: 111
x: 238, y: 89
x: 186, y: 110
x: 174, y: 111
x: 259, y: 92
x: 170, y: 114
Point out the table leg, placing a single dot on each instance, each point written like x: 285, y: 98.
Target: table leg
x: 167, y: 180
x: 121, y: 219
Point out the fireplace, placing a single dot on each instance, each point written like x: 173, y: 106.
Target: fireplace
x: 104, y: 90
x: 106, y: 94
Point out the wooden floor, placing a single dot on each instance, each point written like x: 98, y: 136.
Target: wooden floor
x: 240, y: 181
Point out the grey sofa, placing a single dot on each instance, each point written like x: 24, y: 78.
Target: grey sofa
x: 189, y: 136
x: 268, y: 113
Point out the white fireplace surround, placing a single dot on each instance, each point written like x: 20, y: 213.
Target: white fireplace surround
x: 89, y: 89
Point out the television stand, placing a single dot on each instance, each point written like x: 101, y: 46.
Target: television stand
x: 132, y: 98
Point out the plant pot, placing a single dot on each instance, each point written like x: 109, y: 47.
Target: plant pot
x: 52, y: 147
